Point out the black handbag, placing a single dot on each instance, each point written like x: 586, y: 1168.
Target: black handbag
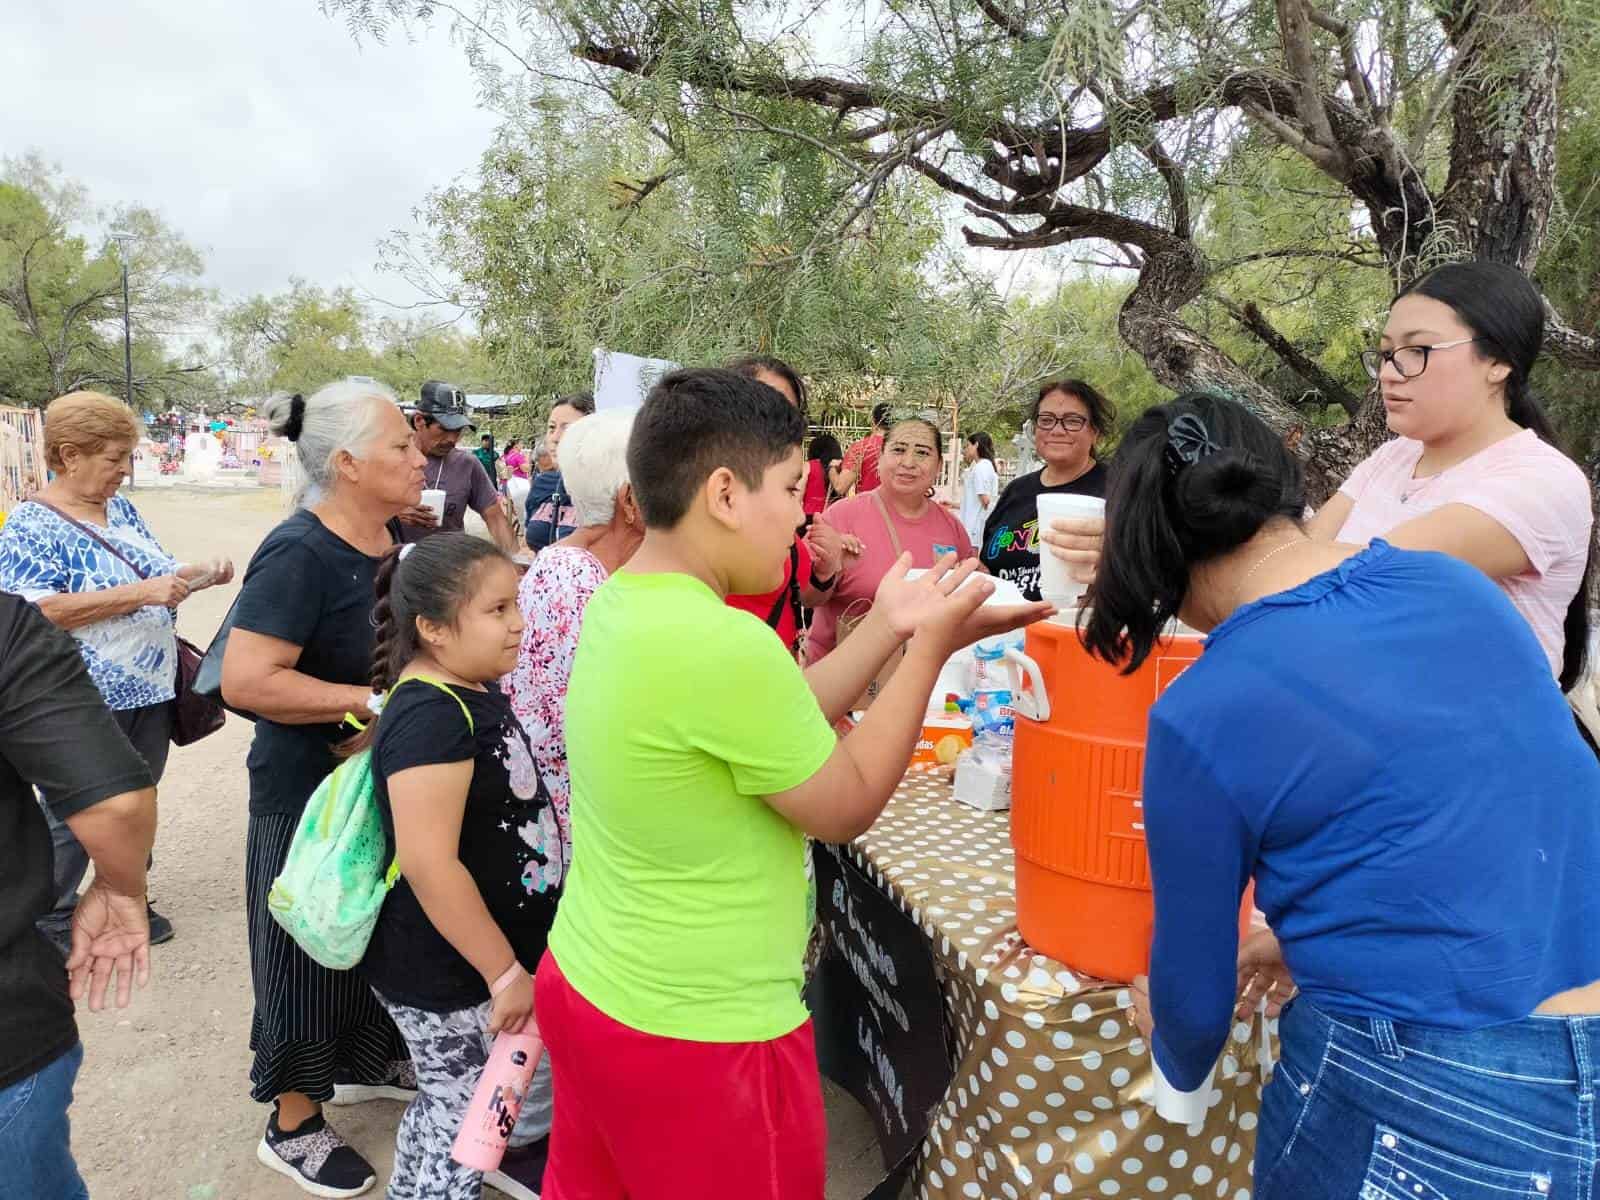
x: 195, y: 715
x: 208, y: 673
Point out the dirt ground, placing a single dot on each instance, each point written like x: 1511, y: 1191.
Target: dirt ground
x: 163, y: 1108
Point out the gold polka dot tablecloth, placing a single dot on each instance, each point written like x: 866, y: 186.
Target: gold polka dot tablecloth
x: 1048, y: 1097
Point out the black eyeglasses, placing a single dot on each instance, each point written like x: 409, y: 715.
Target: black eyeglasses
x: 1409, y: 361
x: 1071, y: 422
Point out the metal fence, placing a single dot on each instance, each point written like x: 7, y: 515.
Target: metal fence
x: 22, y: 466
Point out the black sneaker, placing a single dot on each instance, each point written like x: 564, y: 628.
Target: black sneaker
x: 400, y: 1084
x: 521, y: 1173
x: 160, y: 928
x: 316, y: 1158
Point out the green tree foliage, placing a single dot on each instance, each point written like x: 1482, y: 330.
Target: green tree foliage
x: 61, y: 296
x: 567, y: 242
x: 302, y: 338
x: 1266, y: 172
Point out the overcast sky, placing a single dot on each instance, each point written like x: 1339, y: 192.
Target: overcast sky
x: 259, y: 128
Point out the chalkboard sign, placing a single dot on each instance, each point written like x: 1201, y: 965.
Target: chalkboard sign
x: 877, y: 1007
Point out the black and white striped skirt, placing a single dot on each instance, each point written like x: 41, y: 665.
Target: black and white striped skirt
x: 311, y: 1024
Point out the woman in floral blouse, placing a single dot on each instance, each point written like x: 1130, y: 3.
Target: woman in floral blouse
x: 81, y: 552
x: 556, y: 590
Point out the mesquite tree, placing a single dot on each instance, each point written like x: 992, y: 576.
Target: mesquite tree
x: 1430, y: 130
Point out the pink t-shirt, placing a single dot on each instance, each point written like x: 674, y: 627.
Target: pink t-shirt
x: 1534, y: 491
x: 934, y: 533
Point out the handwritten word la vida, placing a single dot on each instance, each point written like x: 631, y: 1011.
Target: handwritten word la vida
x: 884, y: 1065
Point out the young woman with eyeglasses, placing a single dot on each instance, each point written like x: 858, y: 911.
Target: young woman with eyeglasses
x: 1069, y: 418
x: 1476, y: 470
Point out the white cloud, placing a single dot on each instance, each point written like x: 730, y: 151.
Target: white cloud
x: 261, y: 130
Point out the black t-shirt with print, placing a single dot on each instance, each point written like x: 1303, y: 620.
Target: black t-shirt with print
x: 55, y: 734
x: 1011, y: 535
x: 311, y: 588
x: 510, y: 843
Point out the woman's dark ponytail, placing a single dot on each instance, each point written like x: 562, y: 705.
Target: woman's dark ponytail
x: 1506, y: 314
x: 1193, y: 480
x: 1523, y: 407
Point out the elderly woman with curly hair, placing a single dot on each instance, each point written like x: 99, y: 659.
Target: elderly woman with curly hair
x: 558, y: 587
x: 82, y: 553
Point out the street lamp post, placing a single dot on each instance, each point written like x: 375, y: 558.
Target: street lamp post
x: 124, y: 239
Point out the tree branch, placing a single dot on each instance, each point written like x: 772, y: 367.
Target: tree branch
x: 795, y: 134
x: 1566, y: 344
x: 1300, y: 55
x: 1256, y: 323
x: 1360, y: 86
x: 641, y: 191
x: 1177, y: 187
x: 1014, y: 26
x: 1307, y: 252
x: 1438, y: 97
x: 1326, y: 160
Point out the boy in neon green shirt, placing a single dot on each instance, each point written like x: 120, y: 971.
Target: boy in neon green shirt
x: 700, y: 757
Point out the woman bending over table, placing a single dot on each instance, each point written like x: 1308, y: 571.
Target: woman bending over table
x: 1427, y: 868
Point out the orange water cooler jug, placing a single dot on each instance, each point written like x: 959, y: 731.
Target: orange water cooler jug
x: 1077, y: 816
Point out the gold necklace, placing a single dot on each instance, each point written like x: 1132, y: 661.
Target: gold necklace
x: 1263, y: 560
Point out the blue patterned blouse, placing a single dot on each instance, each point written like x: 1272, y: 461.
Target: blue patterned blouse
x: 132, y: 658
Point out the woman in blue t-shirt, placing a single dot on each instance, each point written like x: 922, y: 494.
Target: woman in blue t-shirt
x: 1372, y: 735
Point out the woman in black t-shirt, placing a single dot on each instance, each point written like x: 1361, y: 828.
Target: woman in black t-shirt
x: 1069, y: 419
x: 470, y: 824
x: 298, y: 657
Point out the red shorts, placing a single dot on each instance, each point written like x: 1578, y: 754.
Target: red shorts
x: 640, y: 1117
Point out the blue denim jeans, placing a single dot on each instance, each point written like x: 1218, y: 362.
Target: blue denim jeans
x: 1382, y: 1111
x: 35, y: 1141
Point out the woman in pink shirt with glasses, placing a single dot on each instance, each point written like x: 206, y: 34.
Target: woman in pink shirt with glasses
x: 1476, y: 471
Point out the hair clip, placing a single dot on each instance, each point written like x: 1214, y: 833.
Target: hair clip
x: 1188, y: 441
x: 297, y: 417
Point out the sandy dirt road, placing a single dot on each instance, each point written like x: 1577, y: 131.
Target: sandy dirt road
x: 163, y: 1110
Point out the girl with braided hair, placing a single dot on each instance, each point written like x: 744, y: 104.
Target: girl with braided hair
x: 466, y: 815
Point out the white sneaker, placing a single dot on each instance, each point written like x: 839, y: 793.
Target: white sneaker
x: 401, y: 1085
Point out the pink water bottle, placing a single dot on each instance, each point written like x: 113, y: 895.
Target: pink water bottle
x: 496, y: 1104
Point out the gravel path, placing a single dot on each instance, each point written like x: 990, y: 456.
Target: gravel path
x: 163, y: 1107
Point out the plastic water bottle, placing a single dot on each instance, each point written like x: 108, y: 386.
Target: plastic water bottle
x: 988, y: 669
x: 497, y: 1103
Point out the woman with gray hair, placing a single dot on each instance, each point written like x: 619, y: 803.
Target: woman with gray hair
x: 299, y: 654
x: 556, y: 590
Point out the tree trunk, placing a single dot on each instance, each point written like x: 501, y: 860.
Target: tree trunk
x: 1501, y: 188
x: 1178, y: 355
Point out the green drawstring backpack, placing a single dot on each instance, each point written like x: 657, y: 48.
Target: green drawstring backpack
x: 333, y: 883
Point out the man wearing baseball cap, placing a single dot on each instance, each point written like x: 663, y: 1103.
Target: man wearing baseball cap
x: 436, y: 424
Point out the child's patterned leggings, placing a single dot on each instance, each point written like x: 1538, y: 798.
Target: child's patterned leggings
x: 449, y: 1051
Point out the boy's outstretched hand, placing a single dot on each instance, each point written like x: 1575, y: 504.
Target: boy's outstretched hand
x: 937, y: 608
